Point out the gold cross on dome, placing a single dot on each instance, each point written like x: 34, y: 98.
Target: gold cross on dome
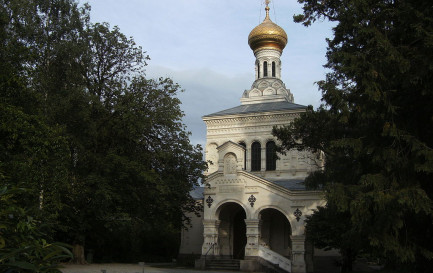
x: 267, y: 2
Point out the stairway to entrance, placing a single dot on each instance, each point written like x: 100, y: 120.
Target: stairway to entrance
x: 223, y: 264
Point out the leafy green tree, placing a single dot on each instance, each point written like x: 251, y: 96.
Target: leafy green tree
x: 24, y: 246
x: 101, y: 147
x: 330, y: 229
x: 375, y: 126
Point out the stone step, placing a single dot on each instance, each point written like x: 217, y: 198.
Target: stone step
x: 223, y: 264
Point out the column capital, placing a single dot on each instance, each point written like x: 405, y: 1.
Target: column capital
x: 211, y: 222
x: 297, y: 238
x: 252, y: 222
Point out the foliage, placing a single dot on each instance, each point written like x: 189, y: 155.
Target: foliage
x: 330, y: 229
x: 375, y: 126
x: 23, y: 245
x: 99, y: 146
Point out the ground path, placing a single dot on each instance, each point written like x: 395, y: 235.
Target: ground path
x: 130, y: 268
x: 321, y: 266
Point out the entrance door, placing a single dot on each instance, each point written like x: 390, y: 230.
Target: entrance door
x: 239, y: 235
x: 232, y: 231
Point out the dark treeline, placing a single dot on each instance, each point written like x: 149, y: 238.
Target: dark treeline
x: 375, y: 128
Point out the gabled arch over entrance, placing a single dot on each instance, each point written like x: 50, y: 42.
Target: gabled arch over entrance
x: 232, y: 230
x: 275, y: 231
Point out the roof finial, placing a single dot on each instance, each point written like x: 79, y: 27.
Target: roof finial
x: 267, y: 8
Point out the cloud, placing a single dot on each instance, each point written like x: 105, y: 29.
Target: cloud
x: 203, y: 46
x: 205, y: 92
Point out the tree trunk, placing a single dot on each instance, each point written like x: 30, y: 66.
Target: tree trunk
x: 347, y: 261
x: 78, y: 251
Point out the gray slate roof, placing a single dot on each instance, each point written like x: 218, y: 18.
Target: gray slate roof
x: 290, y: 184
x: 197, y: 193
x: 259, y: 107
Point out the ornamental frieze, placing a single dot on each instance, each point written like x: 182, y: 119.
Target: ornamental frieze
x: 229, y: 181
x: 230, y: 189
x: 274, y: 117
x: 255, y: 130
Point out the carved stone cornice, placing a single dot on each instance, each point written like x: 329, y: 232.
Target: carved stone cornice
x: 252, y: 116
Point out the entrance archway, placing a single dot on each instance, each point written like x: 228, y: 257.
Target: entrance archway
x: 232, y: 231
x: 275, y: 232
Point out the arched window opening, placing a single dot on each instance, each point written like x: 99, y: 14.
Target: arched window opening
x: 258, y: 70
x: 273, y: 69
x: 271, y: 156
x: 245, y: 153
x: 256, y: 156
x: 265, y: 69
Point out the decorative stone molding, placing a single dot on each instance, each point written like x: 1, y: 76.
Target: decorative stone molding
x: 223, y: 181
x: 230, y: 189
x: 230, y: 163
x: 267, y: 89
x: 276, y: 117
x: 297, y: 214
x: 252, y: 199
x: 209, y: 201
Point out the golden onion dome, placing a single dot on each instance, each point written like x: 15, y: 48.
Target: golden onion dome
x: 267, y: 35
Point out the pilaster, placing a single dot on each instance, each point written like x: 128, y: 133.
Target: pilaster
x: 263, y: 158
x: 298, y: 254
x: 252, y: 233
x: 248, y: 157
x: 210, y: 232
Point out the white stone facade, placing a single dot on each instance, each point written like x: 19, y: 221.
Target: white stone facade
x: 256, y: 127
x: 231, y: 181
x: 255, y: 205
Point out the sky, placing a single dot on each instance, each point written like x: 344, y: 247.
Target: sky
x: 203, y: 46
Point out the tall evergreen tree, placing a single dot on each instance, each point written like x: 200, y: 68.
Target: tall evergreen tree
x: 375, y: 125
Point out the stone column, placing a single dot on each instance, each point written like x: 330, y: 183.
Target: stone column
x: 210, y: 233
x: 252, y: 233
x: 298, y: 254
x: 248, y: 158
x: 263, y: 159
x: 269, y: 69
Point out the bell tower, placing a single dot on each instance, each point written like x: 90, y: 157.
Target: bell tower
x: 267, y: 40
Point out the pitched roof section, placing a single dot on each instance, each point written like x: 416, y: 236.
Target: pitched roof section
x: 197, y: 193
x: 258, y: 108
x: 290, y: 184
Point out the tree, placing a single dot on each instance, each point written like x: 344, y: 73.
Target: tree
x: 375, y: 125
x: 23, y: 245
x: 330, y: 229
x: 103, y: 146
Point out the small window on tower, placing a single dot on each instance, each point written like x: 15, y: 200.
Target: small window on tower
x: 265, y: 69
x: 271, y: 156
x: 258, y: 70
x: 256, y: 156
x: 273, y: 69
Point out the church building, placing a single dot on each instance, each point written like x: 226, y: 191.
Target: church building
x: 255, y: 202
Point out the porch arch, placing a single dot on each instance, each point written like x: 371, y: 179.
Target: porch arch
x: 220, y: 204
x: 232, y: 237
x: 275, y: 231
x: 290, y: 218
